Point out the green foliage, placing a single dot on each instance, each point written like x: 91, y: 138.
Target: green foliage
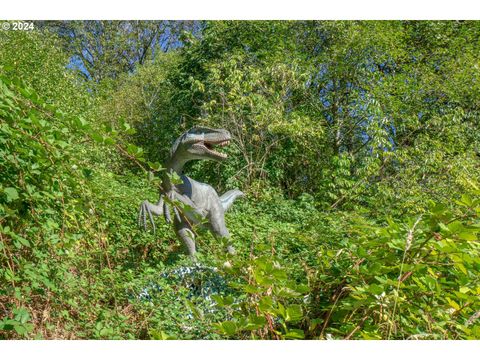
x: 264, y: 310
x: 30, y: 56
x: 410, y: 279
x: 356, y: 143
x: 139, y: 108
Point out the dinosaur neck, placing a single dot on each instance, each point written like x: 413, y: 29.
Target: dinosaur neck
x: 176, y: 164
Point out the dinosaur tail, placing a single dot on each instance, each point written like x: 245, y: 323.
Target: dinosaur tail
x: 229, y: 197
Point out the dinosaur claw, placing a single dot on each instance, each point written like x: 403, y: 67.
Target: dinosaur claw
x: 177, y: 214
x: 139, y: 222
x: 166, y: 213
x: 150, y: 209
x: 144, y: 217
x: 141, y: 216
x: 151, y: 220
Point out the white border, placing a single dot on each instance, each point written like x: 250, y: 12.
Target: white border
x: 221, y: 350
x: 241, y: 9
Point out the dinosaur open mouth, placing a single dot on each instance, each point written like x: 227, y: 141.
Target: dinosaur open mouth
x: 210, y: 146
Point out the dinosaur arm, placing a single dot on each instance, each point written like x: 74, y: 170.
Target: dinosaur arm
x: 171, y: 199
x: 181, y: 204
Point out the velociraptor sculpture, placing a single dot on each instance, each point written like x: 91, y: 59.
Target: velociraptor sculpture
x: 200, y: 200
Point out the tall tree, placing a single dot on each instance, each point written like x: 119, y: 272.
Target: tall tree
x: 105, y: 49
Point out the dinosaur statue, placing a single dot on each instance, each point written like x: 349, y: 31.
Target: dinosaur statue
x: 198, y: 201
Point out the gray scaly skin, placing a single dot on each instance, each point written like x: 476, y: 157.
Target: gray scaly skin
x: 200, y: 200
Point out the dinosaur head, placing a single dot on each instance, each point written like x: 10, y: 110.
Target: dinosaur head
x: 201, y: 143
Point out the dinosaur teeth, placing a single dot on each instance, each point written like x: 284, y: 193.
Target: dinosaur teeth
x: 223, y: 143
x: 218, y: 154
x: 210, y: 146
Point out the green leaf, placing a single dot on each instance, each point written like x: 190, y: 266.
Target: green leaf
x: 20, y: 329
x: 461, y: 267
x: 465, y: 200
x: 251, y: 289
x: 174, y: 178
x: 196, y: 311
x: 97, y: 137
x: 229, y: 327
x: 469, y: 236
x: 156, y: 166
x: 109, y: 141
x: 281, y: 311
x: 134, y: 150
x: 295, y: 334
x: 21, y: 240
x: 375, y: 289
x: 228, y: 300
x: 453, y: 304
x: 294, y: 313
x: 88, y: 173
x: 265, y: 304
x: 161, y: 335
x: 22, y: 315
x: 11, y: 193
x: 257, y: 320
x: 218, y: 299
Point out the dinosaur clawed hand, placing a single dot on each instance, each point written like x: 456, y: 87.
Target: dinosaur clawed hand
x: 146, y: 208
x: 162, y: 207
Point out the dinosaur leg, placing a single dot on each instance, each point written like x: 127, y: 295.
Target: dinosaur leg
x: 229, y: 197
x: 185, y: 233
x: 217, y: 225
